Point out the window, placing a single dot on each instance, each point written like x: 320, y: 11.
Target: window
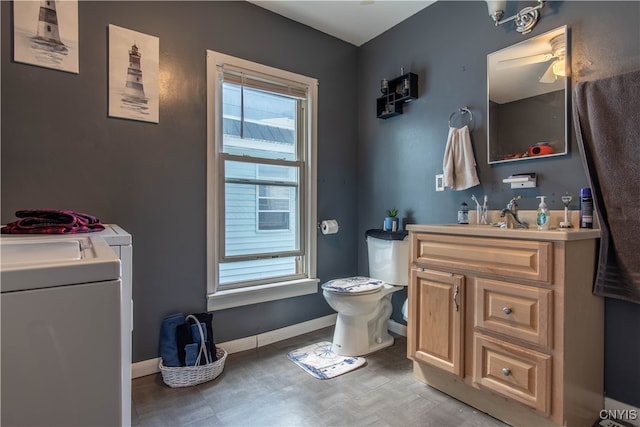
x: 261, y: 190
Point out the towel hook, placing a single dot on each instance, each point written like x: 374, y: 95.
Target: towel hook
x: 462, y: 111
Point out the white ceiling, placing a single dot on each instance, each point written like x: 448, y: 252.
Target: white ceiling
x: 354, y: 21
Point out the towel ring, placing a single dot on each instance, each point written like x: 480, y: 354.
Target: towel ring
x: 462, y: 111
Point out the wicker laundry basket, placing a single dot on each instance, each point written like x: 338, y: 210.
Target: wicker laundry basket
x: 185, y: 376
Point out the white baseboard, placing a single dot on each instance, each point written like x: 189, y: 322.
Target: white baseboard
x: 398, y: 328
x: 623, y: 411
x: 145, y: 367
x: 150, y: 366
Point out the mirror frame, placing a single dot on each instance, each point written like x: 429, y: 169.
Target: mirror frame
x: 516, y: 52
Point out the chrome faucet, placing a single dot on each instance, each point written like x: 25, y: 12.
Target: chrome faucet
x: 510, y: 213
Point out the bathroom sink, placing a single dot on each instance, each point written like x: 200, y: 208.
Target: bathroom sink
x: 470, y: 225
x: 476, y: 227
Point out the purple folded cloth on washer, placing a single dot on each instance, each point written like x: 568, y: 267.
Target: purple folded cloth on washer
x: 50, y: 221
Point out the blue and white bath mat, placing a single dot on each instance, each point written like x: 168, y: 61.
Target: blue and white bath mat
x: 318, y: 360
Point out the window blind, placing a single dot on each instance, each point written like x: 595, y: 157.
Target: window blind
x: 268, y: 83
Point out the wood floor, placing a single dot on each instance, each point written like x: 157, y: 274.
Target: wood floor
x: 262, y: 387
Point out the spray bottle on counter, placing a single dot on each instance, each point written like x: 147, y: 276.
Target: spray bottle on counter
x: 586, y: 208
x: 542, y: 217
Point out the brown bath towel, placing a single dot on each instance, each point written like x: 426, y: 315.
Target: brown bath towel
x: 607, y: 122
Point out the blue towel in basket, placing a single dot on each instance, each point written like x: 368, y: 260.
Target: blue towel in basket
x: 168, y: 339
x: 206, y: 319
x: 192, y: 349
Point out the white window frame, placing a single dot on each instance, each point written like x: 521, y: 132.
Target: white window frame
x: 219, y: 299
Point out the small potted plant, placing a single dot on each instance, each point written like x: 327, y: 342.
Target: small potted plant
x: 391, y: 220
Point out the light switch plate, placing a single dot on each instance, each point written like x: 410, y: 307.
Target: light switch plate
x: 440, y: 182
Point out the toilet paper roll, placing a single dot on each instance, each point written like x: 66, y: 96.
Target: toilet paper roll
x: 329, y: 226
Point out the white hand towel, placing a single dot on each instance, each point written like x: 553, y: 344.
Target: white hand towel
x: 459, y: 163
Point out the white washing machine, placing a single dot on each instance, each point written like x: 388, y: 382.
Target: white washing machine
x: 121, y: 243
x: 66, y: 329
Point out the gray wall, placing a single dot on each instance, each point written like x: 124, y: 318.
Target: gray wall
x: 446, y: 45
x: 60, y: 150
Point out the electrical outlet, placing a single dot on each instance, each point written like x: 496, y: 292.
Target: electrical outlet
x: 440, y: 182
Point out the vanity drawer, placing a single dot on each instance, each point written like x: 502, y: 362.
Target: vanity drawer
x: 510, y: 258
x: 520, y: 311
x: 512, y: 371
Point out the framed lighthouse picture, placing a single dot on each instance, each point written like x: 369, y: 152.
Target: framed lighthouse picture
x: 45, y: 33
x: 134, y: 68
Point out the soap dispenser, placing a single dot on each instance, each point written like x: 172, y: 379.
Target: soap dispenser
x: 542, y: 217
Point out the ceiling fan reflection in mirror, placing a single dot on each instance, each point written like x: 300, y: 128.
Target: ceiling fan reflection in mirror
x: 556, y: 69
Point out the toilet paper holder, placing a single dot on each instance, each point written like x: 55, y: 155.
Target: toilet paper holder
x: 328, y: 226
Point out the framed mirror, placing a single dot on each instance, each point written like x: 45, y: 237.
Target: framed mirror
x: 527, y: 98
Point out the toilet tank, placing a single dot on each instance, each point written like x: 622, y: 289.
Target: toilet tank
x: 388, y: 256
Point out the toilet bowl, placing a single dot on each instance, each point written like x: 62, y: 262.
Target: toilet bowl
x: 364, y: 303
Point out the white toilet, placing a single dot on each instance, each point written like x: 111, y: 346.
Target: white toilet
x: 364, y: 303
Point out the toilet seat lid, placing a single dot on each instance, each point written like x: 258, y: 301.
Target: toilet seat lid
x: 353, y: 285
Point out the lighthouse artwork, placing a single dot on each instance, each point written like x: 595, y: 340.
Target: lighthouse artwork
x: 46, y: 34
x: 134, y: 89
x: 133, y: 75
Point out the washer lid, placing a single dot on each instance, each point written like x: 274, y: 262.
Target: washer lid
x: 20, y: 252
x: 34, y: 263
x: 353, y: 285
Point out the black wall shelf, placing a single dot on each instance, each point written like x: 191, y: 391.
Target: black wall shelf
x: 401, y: 91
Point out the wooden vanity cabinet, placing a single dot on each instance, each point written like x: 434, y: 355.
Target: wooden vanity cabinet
x: 508, y: 325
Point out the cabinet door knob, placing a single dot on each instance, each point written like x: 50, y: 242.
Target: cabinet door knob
x: 506, y: 372
x: 506, y: 310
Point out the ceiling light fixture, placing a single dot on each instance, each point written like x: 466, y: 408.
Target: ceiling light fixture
x: 524, y: 20
x: 559, y: 68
